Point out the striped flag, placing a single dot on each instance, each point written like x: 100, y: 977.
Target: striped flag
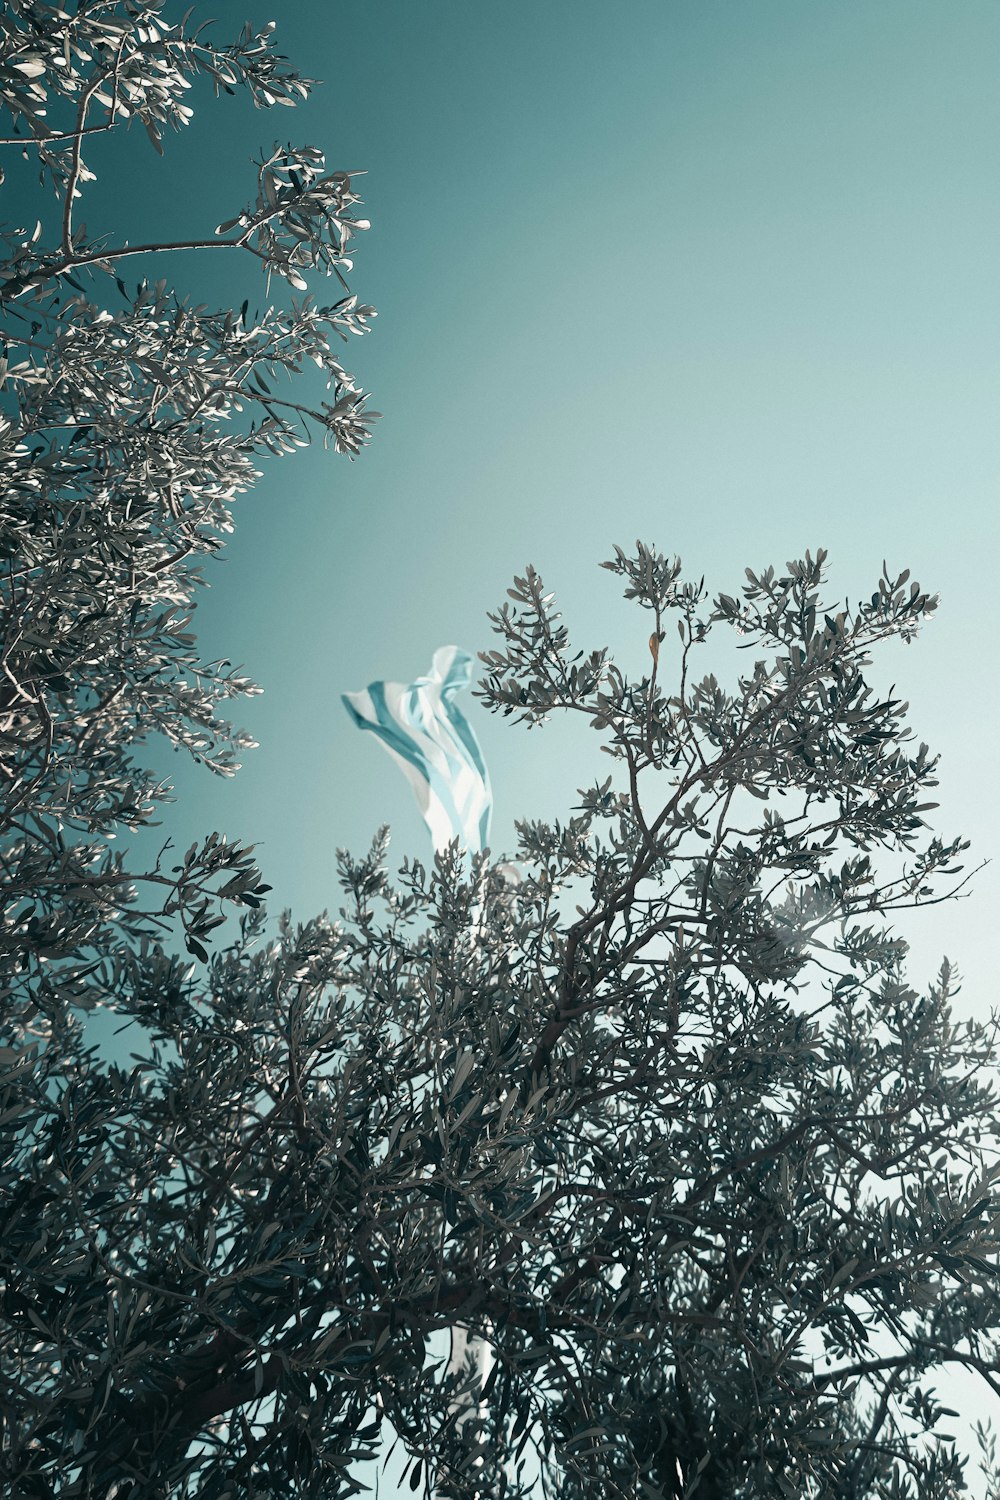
x: 431, y: 740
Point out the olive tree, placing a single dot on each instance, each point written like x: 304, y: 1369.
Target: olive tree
x: 663, y: 1123
x: 122, y: 447
x: 715, y: 1184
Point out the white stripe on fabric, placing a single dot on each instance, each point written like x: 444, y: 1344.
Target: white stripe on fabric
x: 431, y: 741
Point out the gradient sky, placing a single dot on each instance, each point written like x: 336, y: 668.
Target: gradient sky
x: 719, y: 276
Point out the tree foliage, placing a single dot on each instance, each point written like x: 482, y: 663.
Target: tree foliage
x: 121, y: 449
x: 720, y: 1230
x: 662, y: 1121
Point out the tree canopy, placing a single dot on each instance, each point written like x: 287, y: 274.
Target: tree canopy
x: 662, y: 1121
x: 122, y: 448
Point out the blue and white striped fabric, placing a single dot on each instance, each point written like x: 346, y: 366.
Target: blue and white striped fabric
x: 430, y: 739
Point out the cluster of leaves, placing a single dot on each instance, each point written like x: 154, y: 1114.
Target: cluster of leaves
x: 720, y: 1193
x: 121, y: 451
x: 123, y: 58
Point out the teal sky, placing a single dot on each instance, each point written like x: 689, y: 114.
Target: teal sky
x: 719, y: 276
